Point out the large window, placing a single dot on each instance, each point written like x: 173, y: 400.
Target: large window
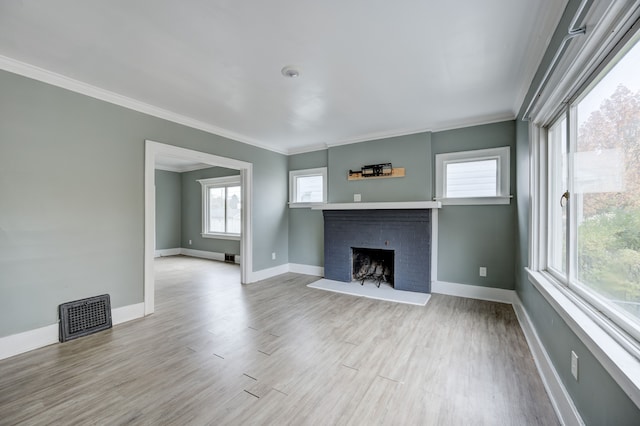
x: 307, y: 187
x: 473, y: 177
x: 221, y: 207
x: 594, y: 193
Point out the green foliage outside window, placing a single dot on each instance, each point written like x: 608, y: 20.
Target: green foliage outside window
x: 609, y: 227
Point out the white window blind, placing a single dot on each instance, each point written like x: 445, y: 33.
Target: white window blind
x: 473, y: 177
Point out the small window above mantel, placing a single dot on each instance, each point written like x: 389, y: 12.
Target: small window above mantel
x: 473, y: 177
x: 307, y: 187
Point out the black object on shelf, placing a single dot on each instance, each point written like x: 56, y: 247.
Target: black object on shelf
x: 383, y: 169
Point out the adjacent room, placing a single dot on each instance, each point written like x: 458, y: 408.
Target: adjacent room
x: 328, y: 212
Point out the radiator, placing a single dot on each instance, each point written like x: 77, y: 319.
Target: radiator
x: 82, y: 317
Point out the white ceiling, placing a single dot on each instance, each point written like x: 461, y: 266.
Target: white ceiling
x: 368, y: 69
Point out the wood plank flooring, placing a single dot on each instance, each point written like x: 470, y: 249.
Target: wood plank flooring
x: 276, y: 352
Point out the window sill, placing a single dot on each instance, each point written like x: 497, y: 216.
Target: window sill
x: 617, y: 353
x: 475, y: 201
x: 234, y: 237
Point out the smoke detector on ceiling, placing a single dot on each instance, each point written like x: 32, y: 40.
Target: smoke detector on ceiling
x: 290, y: 72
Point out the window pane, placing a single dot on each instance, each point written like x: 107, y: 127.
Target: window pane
x: 607, y: 185
x: 309, y: 189
x: 472, y: 179
x: 557, y: 186
x: 234, y: 209
x: 216, y: 210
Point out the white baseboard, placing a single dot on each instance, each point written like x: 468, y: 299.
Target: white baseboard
x: 306, y: 269
x: 474, y: 292
x: 560, y: 399
x: 16, y: 344
x: 202, y: 254
x: 297, y: 268
x: 168, y: 252
x: 263, y: 274
x: 206, y: 254
x: 127, y: 313
x: 26, y: 341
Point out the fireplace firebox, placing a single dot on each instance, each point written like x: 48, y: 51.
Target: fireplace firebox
x: 374, y: 265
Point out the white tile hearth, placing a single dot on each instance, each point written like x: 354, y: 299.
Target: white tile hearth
x: 371, y: 291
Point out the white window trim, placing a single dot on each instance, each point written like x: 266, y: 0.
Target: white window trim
x: 502, y: 154
x: 216, y: 183
x: 293, y: 174
x: 615, y: 349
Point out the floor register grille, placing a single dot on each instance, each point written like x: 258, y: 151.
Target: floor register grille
x: 86, y: 316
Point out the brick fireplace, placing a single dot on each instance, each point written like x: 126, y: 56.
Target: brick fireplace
x: 405, y: 232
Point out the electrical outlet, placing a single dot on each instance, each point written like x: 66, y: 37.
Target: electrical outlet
x: 189, y: 242
x: 357, y: 198
x: 483, y: 271
x: 574, y: 365
x: 273, y: 256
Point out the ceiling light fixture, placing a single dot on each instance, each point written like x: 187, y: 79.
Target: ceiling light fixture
x: 290, y: 72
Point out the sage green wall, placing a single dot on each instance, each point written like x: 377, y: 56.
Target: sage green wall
x: 72, y: 199
x: 168, y: 209
x: 413, y: 152
x: 469, y: 236
x: 192, y: 212
x: 596, y: 395
x: 473, y: 236
x: 306, y: 226
x: 179, y: 211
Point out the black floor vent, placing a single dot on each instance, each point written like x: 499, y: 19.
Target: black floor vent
x: 85, y: 316
x: 230, y: 258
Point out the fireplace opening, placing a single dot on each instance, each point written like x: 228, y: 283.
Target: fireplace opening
x: 375, y: 265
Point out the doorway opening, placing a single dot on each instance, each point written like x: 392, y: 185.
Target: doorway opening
x: 156, y: 150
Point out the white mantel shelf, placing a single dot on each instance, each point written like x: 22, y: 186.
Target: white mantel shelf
x: 379, y: 206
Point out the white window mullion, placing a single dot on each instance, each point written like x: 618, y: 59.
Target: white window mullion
x: 573, y: 202
x: 552, y: 214
x: 538, y: 190
x: 224, y: 203
x: 558, y: 207
x: 205, y: 208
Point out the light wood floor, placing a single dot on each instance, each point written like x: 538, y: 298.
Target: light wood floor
x: 276, y: 352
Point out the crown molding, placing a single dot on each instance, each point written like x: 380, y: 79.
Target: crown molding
x: 307, y: 148
x: 477, y: 121
x: 36, y: 73
x: 378, y: 136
